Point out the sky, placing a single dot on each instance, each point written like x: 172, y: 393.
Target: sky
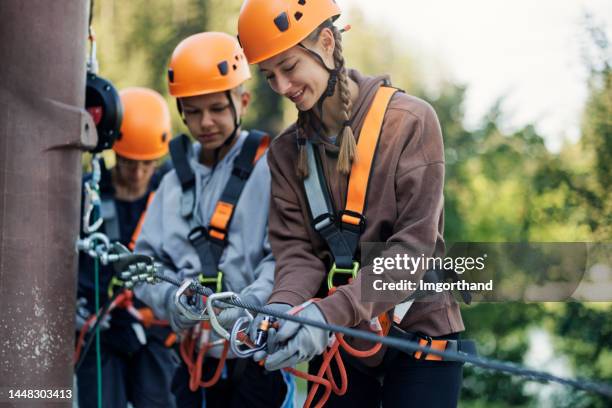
x: 528, y: 51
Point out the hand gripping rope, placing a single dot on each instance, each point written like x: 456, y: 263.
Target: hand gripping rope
x: 323, y: 378
x: 143, y: 269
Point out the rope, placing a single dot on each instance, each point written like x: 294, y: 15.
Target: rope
x: 198, y: 339
x: 411, y: 347
x: 97, y: 335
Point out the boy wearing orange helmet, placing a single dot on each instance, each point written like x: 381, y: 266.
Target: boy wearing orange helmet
x: 136, y: 365
x: 364, y: 162
x: 208, y: 221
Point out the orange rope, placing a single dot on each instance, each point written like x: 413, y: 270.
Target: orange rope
x: 187, y: 348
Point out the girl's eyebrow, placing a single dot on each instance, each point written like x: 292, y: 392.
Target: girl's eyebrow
x: 277, y: 64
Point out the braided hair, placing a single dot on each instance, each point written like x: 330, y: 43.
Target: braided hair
x: 346, y: 138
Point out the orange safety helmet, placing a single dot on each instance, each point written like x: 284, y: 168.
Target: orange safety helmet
x: 145, y: 130
x: 268, y: 27
x: 207, y: 63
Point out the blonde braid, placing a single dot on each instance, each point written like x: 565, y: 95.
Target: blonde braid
x: 348, y: 147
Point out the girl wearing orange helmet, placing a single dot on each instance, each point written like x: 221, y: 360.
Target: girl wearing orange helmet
x: 208, y: 221
x: 319, y: 165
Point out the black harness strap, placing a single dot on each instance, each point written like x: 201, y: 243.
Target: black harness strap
x: 340, y: 238
x: 181, y: 151
x: 210, y: 241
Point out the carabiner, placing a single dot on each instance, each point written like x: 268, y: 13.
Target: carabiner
x: 239, y: 329
x: 214, y: 322
x: 193, y: 312
x: 92, y: 198
x: 88, y: 244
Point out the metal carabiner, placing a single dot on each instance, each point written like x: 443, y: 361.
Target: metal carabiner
x: 88, y: 244
x: 193, y: 312
x: 92, y: 197
x: 214, y: 322
x: 92, y: 201
x: 260, y: 343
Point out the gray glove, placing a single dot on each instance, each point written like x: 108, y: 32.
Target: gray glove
x: 83, y: 314
x: 178, y: 321
x: 229, y: 314
x: 278, y: 307
x: 298, y: 342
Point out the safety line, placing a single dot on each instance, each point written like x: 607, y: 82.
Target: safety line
x: 410, y: 346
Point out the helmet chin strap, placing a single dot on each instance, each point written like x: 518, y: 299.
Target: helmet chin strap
x: 237, y: 124
x: 331, y: 81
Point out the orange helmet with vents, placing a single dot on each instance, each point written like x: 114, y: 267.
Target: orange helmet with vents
x: 268, y: 27
x: 207, y: 63
x: 145, y: 130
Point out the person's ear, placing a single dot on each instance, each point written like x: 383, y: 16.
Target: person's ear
x: 245, y: 100
x: 326, y: 44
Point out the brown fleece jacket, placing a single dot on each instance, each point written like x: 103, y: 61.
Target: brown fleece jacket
x: 404, y: 204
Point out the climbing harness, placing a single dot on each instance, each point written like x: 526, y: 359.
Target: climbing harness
x: 209, y: 243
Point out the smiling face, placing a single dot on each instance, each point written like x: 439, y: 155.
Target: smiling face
x: 298, y: 75
x: 210, y: 118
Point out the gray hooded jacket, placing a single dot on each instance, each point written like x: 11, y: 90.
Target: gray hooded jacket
x: 247, y: 262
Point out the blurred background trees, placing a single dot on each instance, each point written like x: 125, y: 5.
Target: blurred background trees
x: 500, y: 186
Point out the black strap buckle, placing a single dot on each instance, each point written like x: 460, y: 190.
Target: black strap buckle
x: 197, y: 234
x: 323, y: 221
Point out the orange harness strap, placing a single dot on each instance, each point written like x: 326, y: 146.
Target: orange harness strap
x: 353, y: 214
x: 136, y: 232
x: 357, y: 190
x: 366, y: 148
x: 222, y: 215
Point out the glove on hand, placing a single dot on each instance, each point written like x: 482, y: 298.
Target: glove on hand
x: 229, y: 314
x: 178, y: 321
x: 299, y: 342
x: 278, y: 307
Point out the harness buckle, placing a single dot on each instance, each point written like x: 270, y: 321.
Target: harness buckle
x: 214, y: 283
x: 424, y: 340
x: 352, y: 220
x: 196, y: 234
x: 217, y: 234
x: 323, y: 221
x: 343, y: 271
x: 114, y: 283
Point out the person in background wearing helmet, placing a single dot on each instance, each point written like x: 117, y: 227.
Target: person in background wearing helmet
x: 299, y: 50
x: 208, y: 221
x: 136, y: 365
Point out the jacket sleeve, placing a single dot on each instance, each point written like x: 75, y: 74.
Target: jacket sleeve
x: 149, y: 243
x: 419, y: 180
x: 299, y: 273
